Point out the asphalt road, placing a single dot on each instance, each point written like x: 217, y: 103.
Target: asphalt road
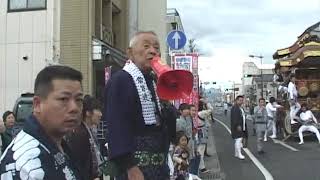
x: 280, y: 160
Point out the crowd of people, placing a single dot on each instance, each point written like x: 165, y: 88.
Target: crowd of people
x: 147, y: 137
x: 59, y: 139
x: 267, y: 116
x: 193, y: 125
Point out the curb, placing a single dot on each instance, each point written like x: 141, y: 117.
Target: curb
x: 212, y: 163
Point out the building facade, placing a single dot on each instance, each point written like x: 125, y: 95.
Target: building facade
x: 252, y: 82
x: 86, y: 35
x: 28, y: 42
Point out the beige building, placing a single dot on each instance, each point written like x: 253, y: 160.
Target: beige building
x: 152, y: 16
x: 251, y: 81
x: 87, y: 35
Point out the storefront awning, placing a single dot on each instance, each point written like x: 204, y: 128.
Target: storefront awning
x: 101, y: 49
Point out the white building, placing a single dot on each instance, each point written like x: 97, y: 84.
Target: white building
x: 28, y: 41
x: 251, y: 80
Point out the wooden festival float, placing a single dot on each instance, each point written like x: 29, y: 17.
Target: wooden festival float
x: 303, y: 60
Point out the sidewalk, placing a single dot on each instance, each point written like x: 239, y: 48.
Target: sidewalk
x: 212, y: 162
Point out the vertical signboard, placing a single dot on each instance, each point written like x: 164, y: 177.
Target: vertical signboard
x: 188, y: 62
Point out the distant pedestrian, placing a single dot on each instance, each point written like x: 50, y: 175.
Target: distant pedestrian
x: 239, y: 128
x: 204, y: 116
x: 205, y: 105
x: 8, y: 135
x: 225, y: 107
x: 195, y: 162
x: 260, y: 118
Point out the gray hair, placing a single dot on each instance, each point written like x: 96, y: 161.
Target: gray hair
x: 133, y: 40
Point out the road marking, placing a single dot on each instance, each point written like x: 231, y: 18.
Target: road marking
x: 276, y: 141
x: 263, y: 170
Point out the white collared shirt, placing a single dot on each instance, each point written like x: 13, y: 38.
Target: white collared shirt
x: 243, y: 118
x: 308, y: 115
x: 292, y: 90
x: 271, y: 109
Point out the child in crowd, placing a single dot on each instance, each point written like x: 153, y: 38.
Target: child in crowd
x: 181, y: 157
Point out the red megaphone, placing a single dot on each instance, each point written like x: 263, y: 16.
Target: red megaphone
x: 171, y: 84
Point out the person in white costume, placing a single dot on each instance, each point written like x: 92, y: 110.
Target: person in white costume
x: 308, y: 123
x: 271, y: 111
x: 293, y: 99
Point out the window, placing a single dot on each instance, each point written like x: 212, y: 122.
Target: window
x: 26, y: 5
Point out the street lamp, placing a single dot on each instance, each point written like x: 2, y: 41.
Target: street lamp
x: 260, y: 57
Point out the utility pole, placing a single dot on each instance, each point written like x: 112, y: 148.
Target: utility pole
x: 261, y: 80
x: 234, y: 91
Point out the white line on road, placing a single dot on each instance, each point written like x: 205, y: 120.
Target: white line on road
x: 276, y: 141
x: 263, y: 170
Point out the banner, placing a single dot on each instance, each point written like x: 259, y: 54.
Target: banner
x: 183, y: 62
x: 188, y: 62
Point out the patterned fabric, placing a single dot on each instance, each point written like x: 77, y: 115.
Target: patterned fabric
x: 148, y: 106
x: 204, y: 117
x: 152, y: 169
x: 260, y: 115
x: 97, y: 158
x: 185, y: 125
x: 30, y: 157
x: 181, y: 162
x: 145, y: 158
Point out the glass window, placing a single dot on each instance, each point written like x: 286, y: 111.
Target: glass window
x: 26, y: 5
x: 17, y: 4
x: 36, y: 3
x: 24, y: 110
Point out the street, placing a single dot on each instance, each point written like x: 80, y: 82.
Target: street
x: 282, y: 161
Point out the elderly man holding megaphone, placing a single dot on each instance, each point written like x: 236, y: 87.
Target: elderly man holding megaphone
x: 138, y: 132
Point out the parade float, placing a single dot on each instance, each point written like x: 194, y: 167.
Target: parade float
x: 303, y: 60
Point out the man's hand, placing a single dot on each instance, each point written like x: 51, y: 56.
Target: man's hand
x: 239, y: 128
x: 135, y: 173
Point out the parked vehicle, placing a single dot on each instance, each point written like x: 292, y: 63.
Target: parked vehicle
x: 23, y: 108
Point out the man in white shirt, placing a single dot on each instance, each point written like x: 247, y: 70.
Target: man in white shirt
x: 308, y: 121
x: 293, y: 99
x: 225, y: 107
x: 271, y: 111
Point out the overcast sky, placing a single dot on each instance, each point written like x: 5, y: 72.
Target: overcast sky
x: 227, y: 31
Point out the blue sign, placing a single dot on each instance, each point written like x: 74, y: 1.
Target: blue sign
x: 176, y: 40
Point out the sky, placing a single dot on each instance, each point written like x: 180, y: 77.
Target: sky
x: 227, y: 31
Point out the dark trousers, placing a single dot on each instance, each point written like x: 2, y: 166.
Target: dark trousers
x: 194, y: 165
